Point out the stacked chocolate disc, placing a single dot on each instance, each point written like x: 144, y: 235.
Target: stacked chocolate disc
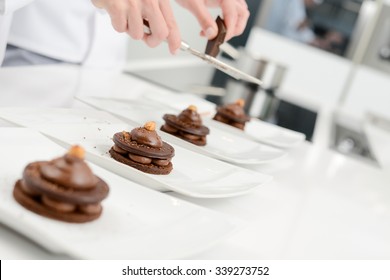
x: 187, y: 126
x: 232, y: 114
x: 64, y: 188
x: 143, y: 149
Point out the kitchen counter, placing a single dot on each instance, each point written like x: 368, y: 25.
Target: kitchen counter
x: 320, y: 205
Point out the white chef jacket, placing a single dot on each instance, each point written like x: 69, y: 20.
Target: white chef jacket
x: 9, y: 6
x: 5, y: 23
x: 72, y: 31
x: 6, y: 10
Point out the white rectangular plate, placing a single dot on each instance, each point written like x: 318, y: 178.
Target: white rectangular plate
x: 255, y: 129
x: 264, y: 132
x: 193, y: 174
x: 220, y: 144
x: 179, y: 101
x: 136, y: 223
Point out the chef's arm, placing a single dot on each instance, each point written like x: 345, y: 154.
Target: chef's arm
x: 9, y: 6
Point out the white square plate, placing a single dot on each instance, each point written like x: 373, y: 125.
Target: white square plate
x: 221, y: 145
x: 136, y: 223
x: 192, y: 175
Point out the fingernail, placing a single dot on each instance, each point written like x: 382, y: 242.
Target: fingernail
x: 175, y: 52
x: 210, y: 33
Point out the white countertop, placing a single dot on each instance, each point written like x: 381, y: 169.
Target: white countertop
x: 320, y: 205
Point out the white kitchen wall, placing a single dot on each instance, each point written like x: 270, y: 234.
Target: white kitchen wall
x: 314, y: 77
x: 369, y: 92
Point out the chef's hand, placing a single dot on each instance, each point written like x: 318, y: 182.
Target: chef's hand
x: 235, y: 14
x: 127, y: 16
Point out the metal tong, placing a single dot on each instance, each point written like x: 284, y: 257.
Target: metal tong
x: 224, y: 67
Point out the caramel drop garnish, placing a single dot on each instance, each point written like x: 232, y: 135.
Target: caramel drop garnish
x: 151, y: 126
x: 192, y: 108
x: 240, y: 102
x: 77, y: 151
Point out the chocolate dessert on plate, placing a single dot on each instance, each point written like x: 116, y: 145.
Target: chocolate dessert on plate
x: 143, y: 149
x: 187, y: 126
x: 63, y: 189
x: 232, y: 114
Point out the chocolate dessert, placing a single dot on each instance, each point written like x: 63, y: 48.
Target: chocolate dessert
x: 232, y: 114
x: 63, y: 189
x: 212, y: 48
x: 187, y: 126
x: 143, y: 149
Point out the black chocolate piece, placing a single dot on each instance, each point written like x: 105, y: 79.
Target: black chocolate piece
x: 212, y: 48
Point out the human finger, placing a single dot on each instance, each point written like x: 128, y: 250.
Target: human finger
x: 230, y: 17
x: 199, y: 9
x: 117, y: 9
x: 242, y: 19
x: 173, y: 38
x: 158, y: 27
x: 135, y: 26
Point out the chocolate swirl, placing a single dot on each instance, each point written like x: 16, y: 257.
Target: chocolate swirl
x: 190, y: 116
x: 235, y: 109
x: 146, y: 136
x: 69, y: 172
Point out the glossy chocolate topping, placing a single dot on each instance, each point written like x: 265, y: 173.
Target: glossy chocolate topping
x: 147, y: 135
x: 69, y: 171
x: 212, y: 47
x: 236, y: 109
x: 191, y: 116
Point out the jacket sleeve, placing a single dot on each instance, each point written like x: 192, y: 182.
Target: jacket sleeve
x: 9, y: 6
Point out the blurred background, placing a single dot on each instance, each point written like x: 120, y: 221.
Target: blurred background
x: 322, y: 62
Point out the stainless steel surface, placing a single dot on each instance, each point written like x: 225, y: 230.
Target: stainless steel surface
x: 207, y: 90
x: 378, y: 121
x: 352, y: 143
x: 278, y: 76
x: 380, y: 41
x: 377, y: 52
x: 254, y: 65
x: 347, y: 136
x: 384, y: 52
x: 259, y: 101
x: 187, y: 77
x: 230, y: 50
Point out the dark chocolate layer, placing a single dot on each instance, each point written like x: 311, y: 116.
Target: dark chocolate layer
x: 226, y: 113
x: 37, y: 183
x: 174, y: 121
x: 198, y: 140
x: 148, y: 168
x: 36, y: 206
x: 166, y: 151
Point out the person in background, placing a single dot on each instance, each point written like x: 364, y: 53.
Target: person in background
x: 332, y: 41
x: 288, y: 18
x: 75, y: 31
